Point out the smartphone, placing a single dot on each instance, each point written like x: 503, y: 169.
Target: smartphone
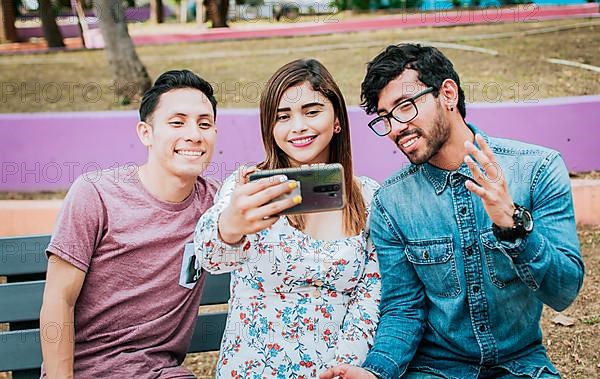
x: 321, y: 186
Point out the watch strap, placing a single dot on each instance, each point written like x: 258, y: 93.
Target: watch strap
x: 515, y: 232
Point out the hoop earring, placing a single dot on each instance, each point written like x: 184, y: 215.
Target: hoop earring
x: 337, y: 129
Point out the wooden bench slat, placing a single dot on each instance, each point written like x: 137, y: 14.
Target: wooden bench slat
x: 23, y: 260
x: 216, y: 289
x: 20, y: 350
x: 33, y: 373
x: 21, y: 301
x: 208, y: 332
x: 23, y: 255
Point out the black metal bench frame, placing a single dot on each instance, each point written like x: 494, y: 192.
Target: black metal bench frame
x: 23, y: 262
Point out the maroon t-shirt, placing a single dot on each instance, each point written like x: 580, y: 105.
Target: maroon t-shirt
x: 132, y: 318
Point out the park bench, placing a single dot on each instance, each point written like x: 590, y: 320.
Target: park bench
x: 23, y: 262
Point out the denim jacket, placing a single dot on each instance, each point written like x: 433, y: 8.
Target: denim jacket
x: 455, y: 300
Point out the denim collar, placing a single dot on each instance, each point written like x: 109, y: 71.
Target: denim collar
x: 439, y: 178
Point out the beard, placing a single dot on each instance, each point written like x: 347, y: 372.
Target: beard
x: 439, y: 132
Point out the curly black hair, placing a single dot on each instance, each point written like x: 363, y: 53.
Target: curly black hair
x: 431, y: 65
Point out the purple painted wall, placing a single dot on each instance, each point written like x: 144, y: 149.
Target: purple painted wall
x: 67, y: 31
x: 46, y: 151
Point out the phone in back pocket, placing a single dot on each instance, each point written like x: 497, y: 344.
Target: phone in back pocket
x: 322, y: 186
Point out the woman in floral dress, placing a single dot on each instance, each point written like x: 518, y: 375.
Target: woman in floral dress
x: 305, y: 288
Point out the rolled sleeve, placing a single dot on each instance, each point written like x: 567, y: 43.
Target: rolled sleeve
x: 548, y: 260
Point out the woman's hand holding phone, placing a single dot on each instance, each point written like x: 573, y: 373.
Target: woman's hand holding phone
x: 251, y: 209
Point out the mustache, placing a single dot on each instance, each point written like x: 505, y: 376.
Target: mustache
x: 417, y: 131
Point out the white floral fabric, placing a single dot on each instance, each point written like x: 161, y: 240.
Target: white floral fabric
x: 298, y: 305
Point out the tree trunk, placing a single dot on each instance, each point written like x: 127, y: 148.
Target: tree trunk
x: 217, y: 12
x: 51, y: 30
x: 82, y: 25
x: 8, y: 31
x: 156, y: 11
x: 130, y: 78
x: 224, y: 9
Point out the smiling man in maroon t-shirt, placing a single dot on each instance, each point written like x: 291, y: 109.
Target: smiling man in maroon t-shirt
x: 116, y: 258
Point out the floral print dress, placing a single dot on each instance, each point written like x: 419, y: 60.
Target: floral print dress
x: 298, y: 305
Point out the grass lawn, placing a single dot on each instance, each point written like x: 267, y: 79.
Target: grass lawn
x: 80, y: 81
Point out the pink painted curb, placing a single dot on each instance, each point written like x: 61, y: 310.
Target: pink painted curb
x: 586, y: 197
x: 28, y: 217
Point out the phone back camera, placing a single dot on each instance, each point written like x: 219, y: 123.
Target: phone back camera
x: 327, y: 188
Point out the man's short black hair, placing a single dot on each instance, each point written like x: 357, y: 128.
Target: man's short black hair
x: 430, y: 64
x: 170, y: 80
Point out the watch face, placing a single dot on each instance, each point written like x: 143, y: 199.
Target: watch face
x: 527, y: 221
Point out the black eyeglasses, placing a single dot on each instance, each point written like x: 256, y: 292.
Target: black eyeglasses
x: 403, y: 112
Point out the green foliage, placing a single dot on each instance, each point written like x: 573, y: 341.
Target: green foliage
x: 125, y: 100
x: 514, y: 2
x: 360, y: 4
x: 343, y: 5
x: 406, y: 4
x: 252, y: 3
x: 593, y: 320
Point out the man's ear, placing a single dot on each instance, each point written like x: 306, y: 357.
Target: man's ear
x: 449, y: 94
x: 145, y: 133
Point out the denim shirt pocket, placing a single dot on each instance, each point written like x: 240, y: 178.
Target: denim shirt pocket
x: 499, y: 264
x: 435, y: 265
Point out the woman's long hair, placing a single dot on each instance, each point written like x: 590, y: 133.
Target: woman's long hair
x: 313, y: 72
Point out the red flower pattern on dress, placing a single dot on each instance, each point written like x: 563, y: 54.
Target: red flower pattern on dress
x: 298, y: 305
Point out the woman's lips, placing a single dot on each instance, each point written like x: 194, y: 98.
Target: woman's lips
x: 302, y: 141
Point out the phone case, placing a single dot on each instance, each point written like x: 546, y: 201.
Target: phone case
x: 322, y: 186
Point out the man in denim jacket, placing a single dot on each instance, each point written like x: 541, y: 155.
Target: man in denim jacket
x: 473, y: 237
